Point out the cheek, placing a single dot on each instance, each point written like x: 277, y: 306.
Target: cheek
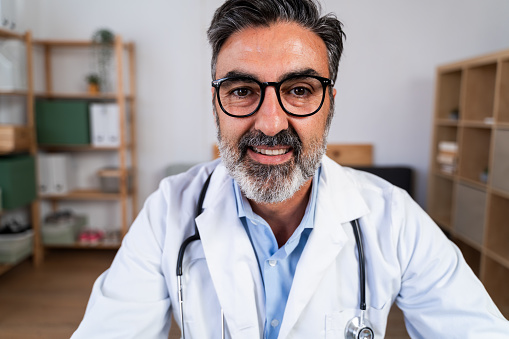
x: 232, y: 129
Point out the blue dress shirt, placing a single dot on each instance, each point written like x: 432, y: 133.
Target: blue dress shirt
x: 277, y: 265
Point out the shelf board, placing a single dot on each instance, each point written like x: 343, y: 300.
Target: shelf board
x: 5, y: 267
x: 14, y: 92
x: 444, y: 175
x: 86, y: 148
x: 83, y: 195
x: 477, y: 124
x: 498, y: 258
x: 72, y: 43
x: 81, y: 96
x: 467, y: 241
x: 500, y: 193
x: 4, y: 33
x: 18, y: 151
x: 442, y: 222
x: 447, y: 122
x: 474, y: 183
x: 78, y: 245
x: 502, y: 125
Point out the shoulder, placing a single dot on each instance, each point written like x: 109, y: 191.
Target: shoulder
x: 367, y: 184
x: 187, y: 183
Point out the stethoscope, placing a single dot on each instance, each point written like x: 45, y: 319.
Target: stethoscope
x: 357, y: 328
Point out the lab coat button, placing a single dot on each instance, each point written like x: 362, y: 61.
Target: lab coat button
x: 272, y: 263
x: 274, y: 323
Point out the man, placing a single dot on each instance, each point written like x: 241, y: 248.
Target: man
x: 277, y: 256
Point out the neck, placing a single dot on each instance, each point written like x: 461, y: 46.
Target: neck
x: 284, y: 217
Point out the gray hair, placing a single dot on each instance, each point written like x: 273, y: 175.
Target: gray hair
x: 235, y: 15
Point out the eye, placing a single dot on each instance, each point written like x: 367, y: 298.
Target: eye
x: 299, y: 91
x: 241, y: 92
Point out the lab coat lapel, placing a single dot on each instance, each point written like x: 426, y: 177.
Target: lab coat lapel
x: 338, y: 203
x: 231, y: 259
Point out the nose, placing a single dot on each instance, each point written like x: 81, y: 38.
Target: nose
x: 270, y: 118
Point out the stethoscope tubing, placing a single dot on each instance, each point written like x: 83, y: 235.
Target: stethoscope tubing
x: 196, y: 236
x: 362, y: 262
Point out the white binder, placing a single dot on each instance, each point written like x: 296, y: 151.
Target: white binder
x: 105, y: 124
x: 54, y: 174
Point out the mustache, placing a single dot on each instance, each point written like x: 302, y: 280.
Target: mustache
x: 287, y: 137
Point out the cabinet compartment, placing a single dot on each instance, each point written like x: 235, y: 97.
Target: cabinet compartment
x: 470, y: 212
x: 495, y: 281
x: 474, y: 153
x: 500, y: 172
x: 480, y: 92
x: 17, y: 180
x: 62, y: 122
x: 503, y: 94
x: 497, y: 235
x: 440, y: 205
x: 445, y: 134
x: 449, y: 94
x: 471, y: 255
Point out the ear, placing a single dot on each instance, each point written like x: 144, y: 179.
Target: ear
x: 213, y: 92
x: 334, y: 93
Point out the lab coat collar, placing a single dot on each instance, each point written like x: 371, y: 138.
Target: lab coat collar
x: 236, y: 278
x: 338, y: 203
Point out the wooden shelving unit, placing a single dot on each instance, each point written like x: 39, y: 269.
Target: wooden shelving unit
x: 31, y: 147
x: 471, y: 201
x: 123, y: 97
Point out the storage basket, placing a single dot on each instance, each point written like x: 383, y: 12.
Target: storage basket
x: 16, y: 247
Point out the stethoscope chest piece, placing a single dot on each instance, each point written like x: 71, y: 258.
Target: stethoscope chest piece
x: 355, y: 329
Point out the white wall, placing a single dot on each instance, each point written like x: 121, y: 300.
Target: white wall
x: 385, y: 85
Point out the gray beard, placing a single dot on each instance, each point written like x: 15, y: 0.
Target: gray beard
x: 271, y: 183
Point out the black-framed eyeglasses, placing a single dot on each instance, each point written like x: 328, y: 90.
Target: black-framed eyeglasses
x: 298, y: 95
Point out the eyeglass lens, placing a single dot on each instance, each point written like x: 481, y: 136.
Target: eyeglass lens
x: 299, y: 96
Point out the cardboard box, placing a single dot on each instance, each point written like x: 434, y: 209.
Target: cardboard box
x: 14, y: 138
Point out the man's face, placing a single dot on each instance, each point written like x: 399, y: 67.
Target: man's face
x: 271, y: 154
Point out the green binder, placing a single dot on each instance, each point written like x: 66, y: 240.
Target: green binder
x: 17, y: 180
x: 62, y: 122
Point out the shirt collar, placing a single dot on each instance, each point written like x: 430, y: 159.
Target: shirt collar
x: 244, y: 210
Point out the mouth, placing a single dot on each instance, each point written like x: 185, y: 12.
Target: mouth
x: 271, y: 151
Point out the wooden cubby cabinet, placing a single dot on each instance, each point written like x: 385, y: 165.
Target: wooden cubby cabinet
x: 122, y: 93
x: 470, y: 199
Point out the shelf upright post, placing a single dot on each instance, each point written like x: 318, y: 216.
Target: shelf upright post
x: 120, y: 98
x: 38, y: 254
x: 132, y: 124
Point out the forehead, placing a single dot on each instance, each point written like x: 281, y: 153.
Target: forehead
x: 271, y: 52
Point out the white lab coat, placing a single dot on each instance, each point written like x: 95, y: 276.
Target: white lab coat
x: 408, y: 260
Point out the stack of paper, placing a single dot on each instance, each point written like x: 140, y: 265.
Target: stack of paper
x: 447, y: 157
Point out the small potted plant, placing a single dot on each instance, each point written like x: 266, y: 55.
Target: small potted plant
x: 93, y: 81
x: 104, y: 40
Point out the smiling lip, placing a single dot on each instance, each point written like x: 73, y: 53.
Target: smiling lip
x: 270, y: 155
x: 271, y: 151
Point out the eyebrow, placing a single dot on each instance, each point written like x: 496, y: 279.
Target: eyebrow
x: 245, y: 75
